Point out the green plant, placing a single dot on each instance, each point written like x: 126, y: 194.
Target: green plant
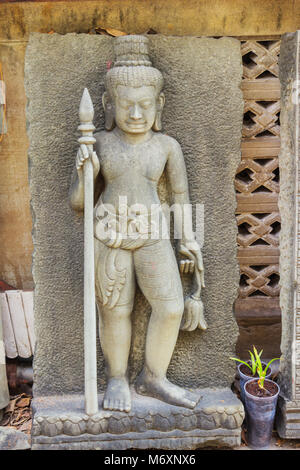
x: 261, y: 372
x: 253, y: 363
x: 256, y: 365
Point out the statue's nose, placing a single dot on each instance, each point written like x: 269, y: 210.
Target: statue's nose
x: 135, y: 112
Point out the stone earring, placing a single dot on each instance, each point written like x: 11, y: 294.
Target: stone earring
x: 109, y: 118
x: 157, y: 125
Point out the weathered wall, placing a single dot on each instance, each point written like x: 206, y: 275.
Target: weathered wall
x: 193, y: 17
x: 18, y: 20
x: 287, y: 420
x: 15, y: 217
x: 203, y: 112
x: 288, y: 209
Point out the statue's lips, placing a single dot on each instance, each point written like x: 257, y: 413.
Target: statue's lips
x: 136, y: 124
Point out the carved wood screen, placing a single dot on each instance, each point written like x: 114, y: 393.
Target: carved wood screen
x: 257, y: 186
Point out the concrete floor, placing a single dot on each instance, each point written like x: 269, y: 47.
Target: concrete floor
x: 276, y: 444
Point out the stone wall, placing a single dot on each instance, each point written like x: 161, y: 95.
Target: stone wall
x: 170, y: 17
x: 289, y: 378
x: 204, y: 113
x: 288, y: 165
x: 15, y: 218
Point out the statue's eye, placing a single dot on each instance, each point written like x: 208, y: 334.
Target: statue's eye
x: 145, y: 104
x: 124, y: 104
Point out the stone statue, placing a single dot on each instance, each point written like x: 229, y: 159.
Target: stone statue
x: 130, y: 156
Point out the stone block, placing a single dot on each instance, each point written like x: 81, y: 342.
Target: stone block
x: 288, y: 424
x: 203, y: 112
x: 12, y: 439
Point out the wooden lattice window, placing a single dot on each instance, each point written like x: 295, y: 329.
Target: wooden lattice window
x: 257, y: 187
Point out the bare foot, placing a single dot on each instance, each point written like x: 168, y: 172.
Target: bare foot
x: 117, y: 395
x: 165, y: 391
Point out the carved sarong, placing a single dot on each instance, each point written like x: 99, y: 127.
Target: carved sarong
x: 124, y: 256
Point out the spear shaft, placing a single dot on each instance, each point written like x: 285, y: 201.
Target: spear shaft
x: 86, y: 114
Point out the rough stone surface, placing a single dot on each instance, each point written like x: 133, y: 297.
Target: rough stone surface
x: 60, y: 422
x: 287, y: 207
x: 288, y: 424
x: 170, y: 17
x: 15, y: 231
x: 12, y: 439
x: 4, y: 392
x: 204, y: 113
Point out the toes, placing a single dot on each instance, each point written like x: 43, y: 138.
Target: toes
x: 189, y: 404
x: 108, y: 404
x: 116, y: 405
x: 192, y: 399
x: 127, y: 407
x: 111, y: 405
x: 105, y: 404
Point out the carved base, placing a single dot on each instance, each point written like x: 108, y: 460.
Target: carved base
x: 60, y: 423
x: 288, y: 419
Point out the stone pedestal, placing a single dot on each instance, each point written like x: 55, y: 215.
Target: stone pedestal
x: 203, y: 112
x: 288, y: 422
x: 60, y: 423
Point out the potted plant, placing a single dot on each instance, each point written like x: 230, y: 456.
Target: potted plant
x: 247, y: 370
x: 260, y: 395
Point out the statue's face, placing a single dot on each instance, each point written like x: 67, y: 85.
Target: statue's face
x: 135, y: 108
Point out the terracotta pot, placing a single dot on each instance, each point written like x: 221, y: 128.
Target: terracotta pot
x: 260, y: 413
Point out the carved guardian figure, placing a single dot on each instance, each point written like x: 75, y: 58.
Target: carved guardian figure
x: 129, y: 158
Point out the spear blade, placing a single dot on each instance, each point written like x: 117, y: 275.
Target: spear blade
x: 86, y: 108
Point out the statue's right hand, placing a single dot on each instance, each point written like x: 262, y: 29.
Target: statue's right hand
x: 84, y: 154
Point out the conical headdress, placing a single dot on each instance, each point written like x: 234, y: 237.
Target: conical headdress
x: 132, y: 66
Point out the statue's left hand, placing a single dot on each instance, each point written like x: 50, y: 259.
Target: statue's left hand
x: 193, y: 259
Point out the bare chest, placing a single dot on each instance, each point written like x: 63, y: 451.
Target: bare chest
x: 147, y: 160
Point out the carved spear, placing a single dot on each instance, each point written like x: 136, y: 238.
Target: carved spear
x: 86, y: 115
